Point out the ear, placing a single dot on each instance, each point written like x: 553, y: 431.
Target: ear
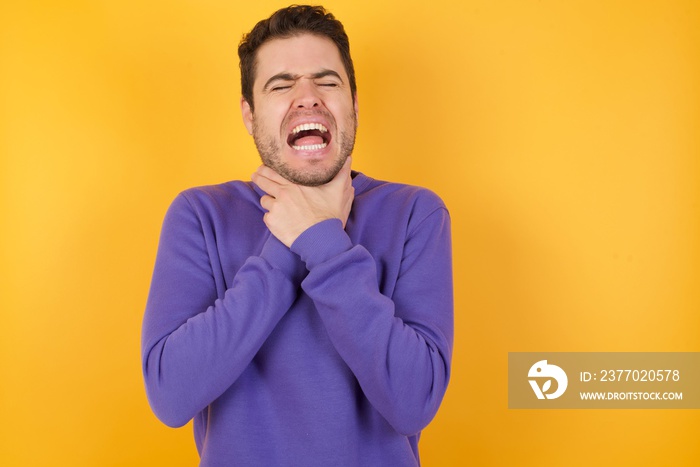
x: 356, y: 105
x: 247, y: 113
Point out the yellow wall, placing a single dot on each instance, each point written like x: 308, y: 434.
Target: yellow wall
x: 563, y: 135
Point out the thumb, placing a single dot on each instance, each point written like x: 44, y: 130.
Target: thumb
x: 343, y: 175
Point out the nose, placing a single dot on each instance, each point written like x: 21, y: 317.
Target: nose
x: 306, y: 96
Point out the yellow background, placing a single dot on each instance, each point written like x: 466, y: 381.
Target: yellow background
x: 563, y: 136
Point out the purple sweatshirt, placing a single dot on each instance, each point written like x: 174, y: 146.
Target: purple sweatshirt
x: 335, y: 352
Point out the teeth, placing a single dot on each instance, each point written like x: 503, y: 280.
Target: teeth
x: 310, y: 147
x: 309, y: 126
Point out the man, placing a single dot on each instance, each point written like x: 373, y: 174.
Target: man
x: 303, y: 318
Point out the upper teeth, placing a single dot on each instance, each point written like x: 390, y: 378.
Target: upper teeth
x: 309, y: 126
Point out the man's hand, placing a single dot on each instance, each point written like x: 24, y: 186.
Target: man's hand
x: 292, y: 208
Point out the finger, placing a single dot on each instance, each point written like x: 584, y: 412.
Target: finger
x: 345, y: 169
x: 344, y: 174
x: 266, y: 202
x: 271, y: 174
x: 265, y: 184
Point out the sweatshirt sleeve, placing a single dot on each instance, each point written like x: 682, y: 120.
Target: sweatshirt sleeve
x: 195, y: 344
x: 398, y: 347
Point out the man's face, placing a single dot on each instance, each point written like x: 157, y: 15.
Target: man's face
x: 305, y: 117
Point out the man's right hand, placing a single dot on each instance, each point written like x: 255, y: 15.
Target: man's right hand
x: 292, y: 208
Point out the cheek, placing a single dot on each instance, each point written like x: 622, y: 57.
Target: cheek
x: 264, y: 122
x: 277, y: 119
x: 270, y: 113
x: 344, y: 112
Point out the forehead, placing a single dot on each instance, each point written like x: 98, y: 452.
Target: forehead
x: 298, y: 55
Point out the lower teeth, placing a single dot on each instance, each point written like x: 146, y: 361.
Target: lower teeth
x: 312, y: 147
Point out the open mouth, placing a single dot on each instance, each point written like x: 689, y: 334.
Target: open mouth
x: 309, y: 137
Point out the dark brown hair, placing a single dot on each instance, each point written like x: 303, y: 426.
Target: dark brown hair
x: 289, y: 22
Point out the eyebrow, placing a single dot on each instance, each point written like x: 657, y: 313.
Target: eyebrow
x: 290, y: 77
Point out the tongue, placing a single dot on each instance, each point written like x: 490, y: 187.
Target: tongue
x: 308, y: 141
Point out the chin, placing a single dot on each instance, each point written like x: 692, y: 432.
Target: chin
x: 310, y: 173
x: 310, y: 178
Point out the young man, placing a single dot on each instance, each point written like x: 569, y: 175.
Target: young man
x: 304, y: 318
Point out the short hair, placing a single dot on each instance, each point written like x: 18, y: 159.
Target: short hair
x: 290, y: 22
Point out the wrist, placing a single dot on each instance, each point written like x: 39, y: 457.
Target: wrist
x: 321, y: 241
